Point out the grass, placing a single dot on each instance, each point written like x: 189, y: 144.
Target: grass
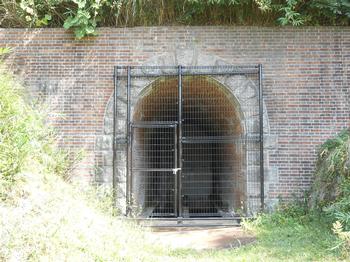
x: 49, y: 219
x: 289, y: 241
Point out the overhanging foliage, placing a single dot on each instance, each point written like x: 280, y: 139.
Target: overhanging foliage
x: 83, y: 16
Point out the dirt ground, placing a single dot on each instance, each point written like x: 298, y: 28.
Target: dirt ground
x: 201, y: 238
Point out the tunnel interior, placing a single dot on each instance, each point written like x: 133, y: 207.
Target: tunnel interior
x: 212, y: 180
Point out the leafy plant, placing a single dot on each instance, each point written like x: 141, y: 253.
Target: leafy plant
x: 84, y: 16
x: 83, y: 20
x: 291, y: 16
x: 336, y: 11
x: 331, y: 189
x: 344, y: 236
x: 26, y: 142
x: 332, y: 169
x: 4, y: 51
x: 339, y: 208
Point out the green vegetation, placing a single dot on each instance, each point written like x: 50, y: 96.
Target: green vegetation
x: 25, y: 141
x: 57, y: 221
x: 281, y: 236
x: 83, y: 16
x: 44, y: 217
x: 331, y: 189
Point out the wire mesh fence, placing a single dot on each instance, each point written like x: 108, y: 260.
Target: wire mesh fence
x: 193, y: 149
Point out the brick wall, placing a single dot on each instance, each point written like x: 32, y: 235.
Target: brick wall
x: 306, y: 82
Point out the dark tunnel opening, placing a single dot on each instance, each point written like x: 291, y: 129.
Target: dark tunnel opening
x: 212, y: 179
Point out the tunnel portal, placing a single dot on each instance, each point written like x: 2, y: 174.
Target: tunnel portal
x: 193, y: 167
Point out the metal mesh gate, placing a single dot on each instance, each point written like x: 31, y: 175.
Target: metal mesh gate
x: 190, y: 149
x: 154, y: 156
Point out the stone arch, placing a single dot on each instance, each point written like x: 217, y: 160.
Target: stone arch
x: 241, y: 88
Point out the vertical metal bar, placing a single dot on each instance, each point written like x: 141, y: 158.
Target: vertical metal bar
x: 128, y: 153
x: 176, y: 192
x: 115, y: 80
x: 130, y: 170
x: 180, y: 141
x: 261, y: 125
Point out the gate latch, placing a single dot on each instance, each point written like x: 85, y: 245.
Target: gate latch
x: 175, y: 170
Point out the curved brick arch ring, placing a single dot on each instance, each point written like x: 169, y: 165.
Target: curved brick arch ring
x: 242, y: 88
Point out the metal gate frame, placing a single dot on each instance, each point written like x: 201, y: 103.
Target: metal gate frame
x: 173, y: 169
x: 158, y: 71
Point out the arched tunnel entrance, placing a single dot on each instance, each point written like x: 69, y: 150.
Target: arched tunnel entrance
x: 189, y: 168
